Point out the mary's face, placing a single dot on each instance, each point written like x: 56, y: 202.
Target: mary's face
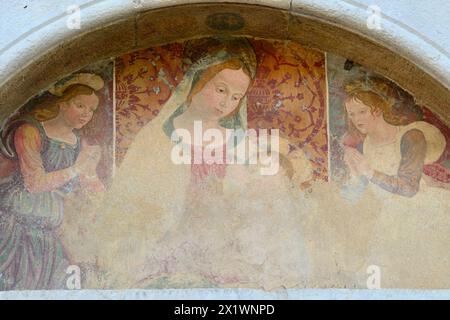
x: 222, y: 94
x: 79, y: 110
x: 362, y: 117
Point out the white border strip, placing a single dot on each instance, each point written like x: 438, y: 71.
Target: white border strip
x: 229, y: 294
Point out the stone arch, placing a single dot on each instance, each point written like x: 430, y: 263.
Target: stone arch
x: 110, y: 29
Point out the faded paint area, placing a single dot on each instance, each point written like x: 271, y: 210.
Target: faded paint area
x: 363, y: 177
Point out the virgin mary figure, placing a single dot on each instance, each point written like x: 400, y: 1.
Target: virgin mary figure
x: 202, y: 224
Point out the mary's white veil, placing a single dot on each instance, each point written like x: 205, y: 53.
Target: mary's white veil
x: 148, y: 192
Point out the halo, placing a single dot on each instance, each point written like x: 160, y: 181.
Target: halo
x: 87, y: 79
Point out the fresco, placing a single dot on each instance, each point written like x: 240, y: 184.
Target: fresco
x: 288, y: 93
x: 56, y: 150
x: 196, y: 228
x: 387, y: 149
x: 224, y: 163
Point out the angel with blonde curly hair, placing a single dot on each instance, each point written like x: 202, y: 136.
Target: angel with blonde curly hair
x: 50, y: 161
x: 411, y: 238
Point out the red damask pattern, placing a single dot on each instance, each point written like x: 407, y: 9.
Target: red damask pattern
x: 289, y: 94
x: 439, y: 170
